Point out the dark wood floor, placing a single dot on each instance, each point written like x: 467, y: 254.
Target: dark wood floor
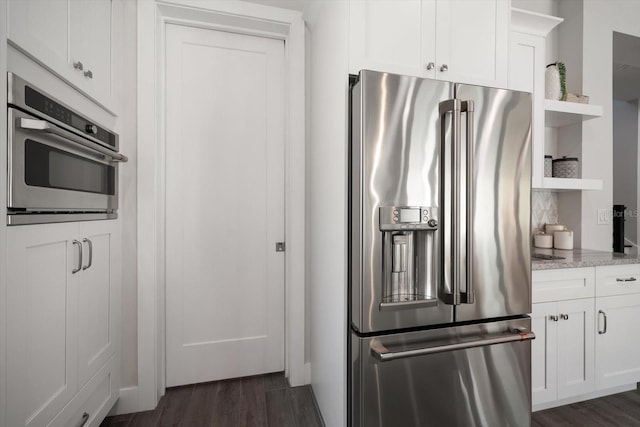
x: 620, y: 410
x: 265, y: 400
x: 269, y: 401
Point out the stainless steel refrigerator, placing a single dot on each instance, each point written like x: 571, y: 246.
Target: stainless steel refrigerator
x: 439, y: 254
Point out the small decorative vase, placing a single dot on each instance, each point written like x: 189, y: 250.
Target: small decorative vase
x: 552, y: 88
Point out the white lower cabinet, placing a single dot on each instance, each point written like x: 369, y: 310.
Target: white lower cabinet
x: 63, y: 310
x: 562, y: 353
x: 617, y: 345
x: 584, y: 320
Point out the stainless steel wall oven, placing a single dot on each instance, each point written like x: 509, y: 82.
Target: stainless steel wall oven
x: 62, y: 166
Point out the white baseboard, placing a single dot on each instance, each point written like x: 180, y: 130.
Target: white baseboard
x: 127, y: 402
x: 307, y: 373
x: 576, y: 399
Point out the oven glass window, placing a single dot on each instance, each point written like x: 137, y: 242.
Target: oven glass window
x: 46, y: 166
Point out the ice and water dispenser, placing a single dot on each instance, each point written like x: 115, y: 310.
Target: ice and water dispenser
x: 410, y: 250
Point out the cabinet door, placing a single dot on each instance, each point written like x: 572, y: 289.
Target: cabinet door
x: 98, y: 298
x: 526, y: 73
x: 386, y: 35
x: 576, y: 329
x: 42, y: 329
x: 90, y: 43
x: 39, y: 28
x: 472, y: 41
x: 617, y: 347
x: 543, y: 353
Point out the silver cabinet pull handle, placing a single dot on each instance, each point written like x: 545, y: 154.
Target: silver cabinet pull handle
x: 90, y: 244
x: 628, y: 279
x: 85, y: 418
x: 564, y: 316
x: 604, y: 315
x: 444, y: 68
x: 88, y: 74
x: 553, y: 318
x: 75, y: 270
x: 382, y: 353
x: 430, y: 66
x: 78, y: 65
x: 43, y: 126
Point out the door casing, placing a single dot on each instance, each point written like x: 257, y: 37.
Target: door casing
x: 245, y: 18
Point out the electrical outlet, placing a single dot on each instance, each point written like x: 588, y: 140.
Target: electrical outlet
x: 604, y: 216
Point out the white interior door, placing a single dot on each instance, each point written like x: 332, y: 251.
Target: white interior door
x: 224, y: 205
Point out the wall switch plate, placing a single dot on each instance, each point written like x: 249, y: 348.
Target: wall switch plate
x: 604, y: 216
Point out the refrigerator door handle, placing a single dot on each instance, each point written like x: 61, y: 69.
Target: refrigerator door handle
x: 383, y: 354
x: 467, y: 296
x: 450, y: 215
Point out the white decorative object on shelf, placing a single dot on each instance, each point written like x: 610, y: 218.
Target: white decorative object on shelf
x: 552, y: 89
x: 574, y: 97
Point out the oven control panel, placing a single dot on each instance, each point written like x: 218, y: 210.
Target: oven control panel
x: 408, y: 218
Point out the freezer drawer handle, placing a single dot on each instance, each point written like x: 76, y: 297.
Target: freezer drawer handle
x: 628, y: 279
x: 380, y: 352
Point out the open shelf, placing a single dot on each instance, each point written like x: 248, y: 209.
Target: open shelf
x: 561, y: 113
x: 571, y: 184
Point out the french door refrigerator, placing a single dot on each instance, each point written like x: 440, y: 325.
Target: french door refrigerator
x: 439, y: 254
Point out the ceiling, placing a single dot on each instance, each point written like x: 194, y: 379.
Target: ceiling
x: 626, y: 67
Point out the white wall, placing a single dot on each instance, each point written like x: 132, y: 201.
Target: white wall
x: 625, y: 161
x: 327, y: 151
x: 601, y: 19
x: 128, y: 197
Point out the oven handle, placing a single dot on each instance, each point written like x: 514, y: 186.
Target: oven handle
x: 41, y: 125
x: 380, y: 352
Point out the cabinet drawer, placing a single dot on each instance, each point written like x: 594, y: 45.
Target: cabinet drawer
x: 563, y: 284
x: 94, y: 400
x: 617, y: 280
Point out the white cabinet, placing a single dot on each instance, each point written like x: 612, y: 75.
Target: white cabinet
x: 526, y: 73
x: 562, y: 353
x: 617, y: 311
x: 63, y: 300
x: 70, y: 37
x: 464, y: 41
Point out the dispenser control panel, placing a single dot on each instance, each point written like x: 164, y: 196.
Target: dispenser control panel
x: 408, y: 218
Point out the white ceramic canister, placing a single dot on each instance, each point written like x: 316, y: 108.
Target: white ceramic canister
x: 552, y: 86
x: 543, y: 241
x: 551, y: 228
x: 563, y: 239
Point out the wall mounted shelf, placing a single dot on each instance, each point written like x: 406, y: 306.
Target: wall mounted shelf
x: 571, y: 184
x: 561, y: 113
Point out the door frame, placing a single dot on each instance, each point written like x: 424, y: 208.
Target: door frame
x: 243, y: 18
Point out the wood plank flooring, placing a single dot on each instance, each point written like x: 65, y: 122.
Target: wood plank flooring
x: 620, y: 410
x: 265, y: 400
x: 269, y: 401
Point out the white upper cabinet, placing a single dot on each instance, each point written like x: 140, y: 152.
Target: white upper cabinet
x: 464, y: 40
x: 90, y: 43
x: 72, y: 38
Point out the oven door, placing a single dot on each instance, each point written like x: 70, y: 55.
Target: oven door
x: 462, y: 376
x: 50, y: 172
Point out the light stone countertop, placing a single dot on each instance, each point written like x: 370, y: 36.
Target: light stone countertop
x: 580, y: 258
